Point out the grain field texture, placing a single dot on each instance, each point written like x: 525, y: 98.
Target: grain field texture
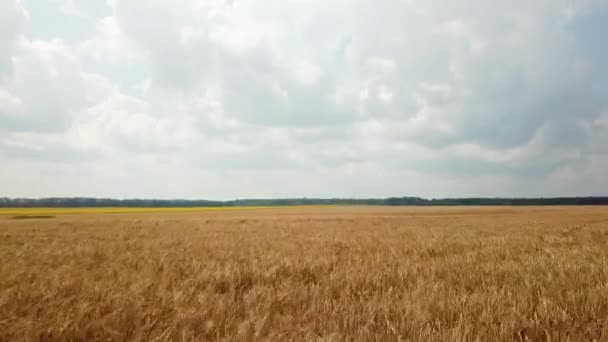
x: 308, y: 274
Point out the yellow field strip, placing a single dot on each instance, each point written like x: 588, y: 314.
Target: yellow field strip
x: 120, y: 210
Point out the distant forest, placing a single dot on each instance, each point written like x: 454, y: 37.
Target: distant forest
x: 393, y: 201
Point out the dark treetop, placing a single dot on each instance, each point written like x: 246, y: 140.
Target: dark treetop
x: 394, y: 201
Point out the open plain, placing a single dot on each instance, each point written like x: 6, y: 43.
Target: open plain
x: 326, y: 274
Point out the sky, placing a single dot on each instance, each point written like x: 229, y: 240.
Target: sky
x: 224, y: 99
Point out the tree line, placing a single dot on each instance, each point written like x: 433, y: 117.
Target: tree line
x: 392, y: 201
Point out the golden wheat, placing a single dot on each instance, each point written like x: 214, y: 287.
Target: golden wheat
x: 325, y: 274
x: 131, y: 210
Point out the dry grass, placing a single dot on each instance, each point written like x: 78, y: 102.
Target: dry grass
x: 126, y: 210
x: 380, y: 274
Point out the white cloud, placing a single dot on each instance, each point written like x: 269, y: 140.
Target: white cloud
x: 69, y: 7
x: 46, y: 87
x: 12, y: 20
x: 109, y: 44
x: 347, y: 97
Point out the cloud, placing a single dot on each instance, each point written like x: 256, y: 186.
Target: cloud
x: 347, y: 97
x: 46, y: 88
x: 12, y: 20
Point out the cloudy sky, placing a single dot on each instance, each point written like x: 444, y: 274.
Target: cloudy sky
x: 225, y: 99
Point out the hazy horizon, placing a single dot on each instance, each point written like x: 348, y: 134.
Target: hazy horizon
x: 229, y: 99
x: 300, y: 198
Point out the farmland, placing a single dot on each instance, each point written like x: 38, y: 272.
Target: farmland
x: 309, y: 273
x: 120, y: 210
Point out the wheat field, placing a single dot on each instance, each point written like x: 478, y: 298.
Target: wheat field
x: 124, y: 210
x: 314, y: 274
